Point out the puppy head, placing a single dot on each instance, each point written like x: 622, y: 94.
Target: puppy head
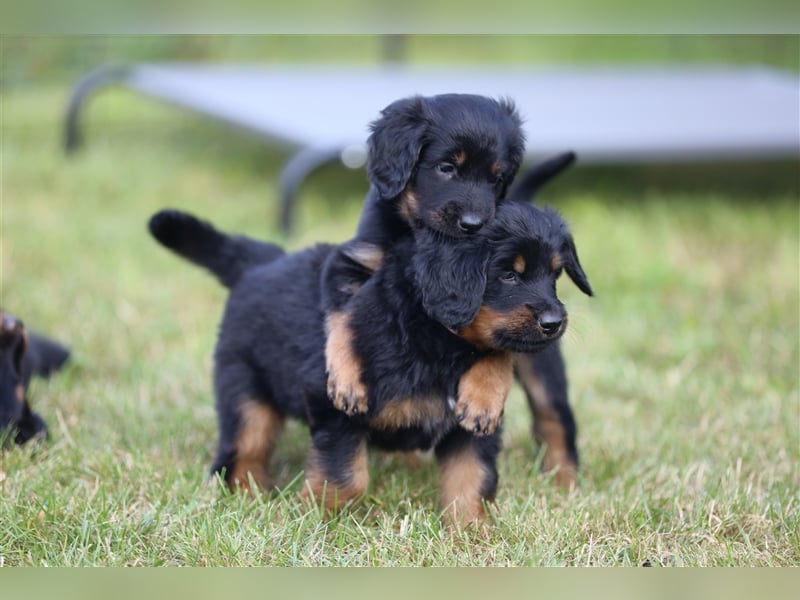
x: 449, y: 159
x: 529, y: 249
x: 13, y: 344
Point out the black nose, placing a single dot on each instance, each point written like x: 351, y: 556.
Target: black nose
x: 550, y: 322
x: 470, y: 223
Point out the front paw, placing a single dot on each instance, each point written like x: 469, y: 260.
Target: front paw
x: 350, y: 398
x: 479, y: 420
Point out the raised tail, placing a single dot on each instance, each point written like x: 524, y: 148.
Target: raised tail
x: 527, y: 186
x: 226, y: 256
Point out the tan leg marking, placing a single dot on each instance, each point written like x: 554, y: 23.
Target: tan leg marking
x: 482, y: 394
x: 461, y: 477
x: 345, y: 388
x: 332, y: 496
x: 259, y: 430
x: 547, y: 428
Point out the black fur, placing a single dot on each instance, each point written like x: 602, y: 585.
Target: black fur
x: 229, y: 256
x: 272, y: 337
x: 443, y: 163
x: 23, y: 355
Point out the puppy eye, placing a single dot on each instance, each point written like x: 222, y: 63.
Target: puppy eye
x: 446, y: 169
x: 510, y: 277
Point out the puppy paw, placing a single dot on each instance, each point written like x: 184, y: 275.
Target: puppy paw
x: 477, y: 418
x: 482, y: 394
x: 345, y: 389
x: 350, y: 397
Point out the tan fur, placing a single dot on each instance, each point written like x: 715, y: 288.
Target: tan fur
x: 398, y: 414
x: 368, y: 256
x: 259, y: 430
x: 409, y: 205
x: 482, y: 393
x: 345, y: 388
x: 460, y: 158
x: 547, y: 428
x: 330, y: 495
x: 556, y: 262
x: 461, y: 477
x: 519, y: 264
x: 481, y: 331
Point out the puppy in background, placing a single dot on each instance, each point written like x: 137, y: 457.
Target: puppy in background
x: 23, y: 355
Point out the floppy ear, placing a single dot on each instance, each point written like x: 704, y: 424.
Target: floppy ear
x: 450, y: 278
x: 395, y: 144
x: 569, y: 258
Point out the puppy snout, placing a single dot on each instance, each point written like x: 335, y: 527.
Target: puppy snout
x: 551, y: 322
x: 471, y: 223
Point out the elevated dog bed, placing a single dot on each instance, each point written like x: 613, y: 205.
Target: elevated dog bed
x: 605, y: 114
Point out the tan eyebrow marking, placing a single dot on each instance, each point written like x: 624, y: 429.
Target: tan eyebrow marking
x: 519, y: 264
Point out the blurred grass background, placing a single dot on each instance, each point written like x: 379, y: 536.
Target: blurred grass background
x: 683, y: 369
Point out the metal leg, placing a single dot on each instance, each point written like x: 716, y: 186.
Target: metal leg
x: 294, y: 172
x: 93, y: 80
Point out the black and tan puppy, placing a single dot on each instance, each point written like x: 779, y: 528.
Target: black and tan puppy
x: 542, y: 375
x: 269, y: 361
x: 23, y: 355
x: 441, y: 163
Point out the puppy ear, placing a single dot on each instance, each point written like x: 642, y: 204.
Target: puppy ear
x: 569, y: 257
x: 450, y: 278
x: 395, y: 144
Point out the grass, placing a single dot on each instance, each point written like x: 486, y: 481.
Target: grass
x: 683, y: 370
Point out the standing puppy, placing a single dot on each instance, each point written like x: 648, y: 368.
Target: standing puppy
x: 269, y: 362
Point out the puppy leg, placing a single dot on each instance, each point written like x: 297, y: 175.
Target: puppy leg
x: 247, y: 452
x: 337, y: 469
x: 467, y: 476
x: 482, y: 394
x: 345, y: 388
x: 544, y: 380
x: 248, y: 428
x: 343, y: 275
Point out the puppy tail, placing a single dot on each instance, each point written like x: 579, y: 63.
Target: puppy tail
x: 226, y: 256
x: 528, y: 185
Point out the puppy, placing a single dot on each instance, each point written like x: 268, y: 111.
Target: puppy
x: 269, y: 362
x: 542, y: 375
x: 23, y: 355
x: 442, y: 163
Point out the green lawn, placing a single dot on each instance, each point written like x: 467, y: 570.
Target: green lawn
x: 683, y: 369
